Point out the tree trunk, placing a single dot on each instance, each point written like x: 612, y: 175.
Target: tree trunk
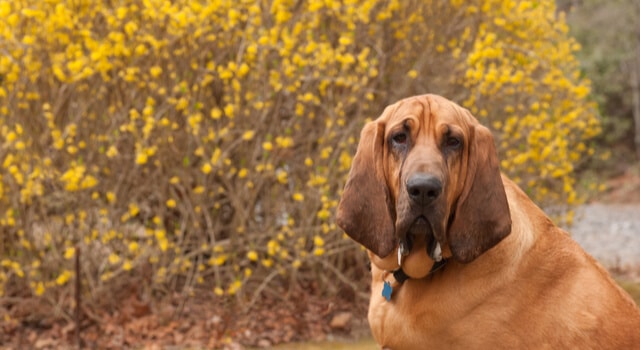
x: 635, y: 96
x: 635, y: 80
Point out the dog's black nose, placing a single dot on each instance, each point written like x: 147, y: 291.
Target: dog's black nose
x: 424, y: 188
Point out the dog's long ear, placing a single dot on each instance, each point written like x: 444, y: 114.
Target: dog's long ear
x: 482, y: 216
x: 364, y: 209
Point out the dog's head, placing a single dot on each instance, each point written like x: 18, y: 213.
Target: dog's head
x: 425, y: 170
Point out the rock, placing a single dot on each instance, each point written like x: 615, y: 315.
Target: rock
x: 609, y: 232
x: 341, y: 320
x: 45, y: 343
x: 264, y: 343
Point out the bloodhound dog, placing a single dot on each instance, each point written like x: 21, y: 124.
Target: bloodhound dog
x: 461, y: 257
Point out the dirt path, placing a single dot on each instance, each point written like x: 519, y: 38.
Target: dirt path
x: 610, y: 232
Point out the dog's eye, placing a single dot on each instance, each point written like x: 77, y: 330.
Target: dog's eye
x: 399, y: 138
x: 453, y: 142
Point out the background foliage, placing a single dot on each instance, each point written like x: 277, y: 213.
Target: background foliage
x: 202, y: 145
x: 609, y: 31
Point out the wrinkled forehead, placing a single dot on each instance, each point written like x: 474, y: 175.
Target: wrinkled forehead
x: 425, y: 111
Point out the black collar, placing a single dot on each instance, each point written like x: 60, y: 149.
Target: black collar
x: 400, y: 276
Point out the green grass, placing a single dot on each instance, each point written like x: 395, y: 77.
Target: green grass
x: 633, y: 288
x: 363, y: 344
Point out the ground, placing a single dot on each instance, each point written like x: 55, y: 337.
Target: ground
x: 623, y: 188
x: 609, y: 226
x: 284, y: 316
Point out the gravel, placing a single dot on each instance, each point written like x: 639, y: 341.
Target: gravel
x: 610, y: 233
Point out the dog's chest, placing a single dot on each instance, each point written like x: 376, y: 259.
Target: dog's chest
x: 396, y: 323
x: 415, y: 318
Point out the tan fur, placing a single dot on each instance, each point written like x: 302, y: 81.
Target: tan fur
x: 535, y: 289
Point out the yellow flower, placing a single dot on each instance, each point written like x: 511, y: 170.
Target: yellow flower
x: 284, y: 142
x: 252, y: 255
x: 112, y: 152
x: 345, y: 41
x: 296, y: 264
x: 282, y: 176
x: 171, y: 203
x: 69, y: 219
x: 216, y: 113
x: 17, y: 269
x: 298, y: 197
x: 113, y: 258
x: 155, y: 71
x: 326, y: 152
x: 267, y: 263
x: 182, y: 104
x: 163, y: 243
x: 323, y: 214
x: 63, y: 277
x: 141, y: 158
x: 106, y: 276
x: 243, y: 70
x: 39, y: 288
x: 229, y: 111
x: 133, y: 209
x: 218, y: 260
x: 88, y: 182
x: 111, y: 197
x: 248, y: 135
x: 133, y: 247
x: 69, y: 252
x: 215, y: 157
x: 234, y: 287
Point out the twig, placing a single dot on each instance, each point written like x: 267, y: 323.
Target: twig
x: 78, y: 299
x: 91, y: 315
x: 345, y: 280
x: 260, y: 288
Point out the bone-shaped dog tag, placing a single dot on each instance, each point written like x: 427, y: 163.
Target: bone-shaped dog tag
x: 437, y: 253
x: 403, y: 250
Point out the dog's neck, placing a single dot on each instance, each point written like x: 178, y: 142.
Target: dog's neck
x: 412, y: 262
x: 402, y: 276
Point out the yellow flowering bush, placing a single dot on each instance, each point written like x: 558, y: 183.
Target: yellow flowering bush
x: 204, y: 143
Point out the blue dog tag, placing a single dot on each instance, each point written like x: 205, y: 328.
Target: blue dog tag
x: 387, y: 290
